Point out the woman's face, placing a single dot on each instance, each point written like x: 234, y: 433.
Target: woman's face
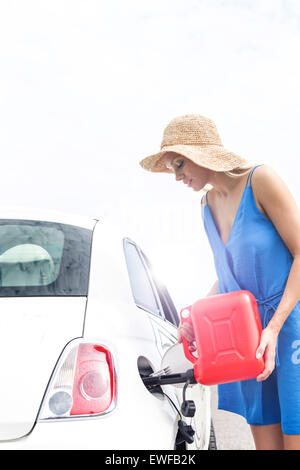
x: 185, y: 170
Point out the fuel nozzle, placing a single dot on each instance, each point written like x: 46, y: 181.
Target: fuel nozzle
x: 169, y: 379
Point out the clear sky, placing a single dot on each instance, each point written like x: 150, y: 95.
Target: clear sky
x: 87, y: 87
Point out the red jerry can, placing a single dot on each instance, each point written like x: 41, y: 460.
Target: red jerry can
x: 227, y: 331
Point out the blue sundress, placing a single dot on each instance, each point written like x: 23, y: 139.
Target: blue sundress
x: 255, y: 258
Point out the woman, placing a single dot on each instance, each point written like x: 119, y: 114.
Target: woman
x: 253, y: 225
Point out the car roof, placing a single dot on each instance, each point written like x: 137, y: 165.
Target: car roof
x: 30, y: 213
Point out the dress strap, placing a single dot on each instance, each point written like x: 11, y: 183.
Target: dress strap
x: 250, y: 174
x: 248, y: 179
x: 204, y: 197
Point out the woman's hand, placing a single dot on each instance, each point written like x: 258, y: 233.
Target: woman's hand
x: 186, y: 331
x: 267, y: 348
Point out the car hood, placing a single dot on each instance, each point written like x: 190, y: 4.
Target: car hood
x: 33, y: 333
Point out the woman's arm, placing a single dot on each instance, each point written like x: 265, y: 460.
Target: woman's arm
x: 282, y: 210
x: 290, y: 297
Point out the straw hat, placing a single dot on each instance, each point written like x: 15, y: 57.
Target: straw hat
x: 196, y: 138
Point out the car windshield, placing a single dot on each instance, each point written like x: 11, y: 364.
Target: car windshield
x: 43, y: 258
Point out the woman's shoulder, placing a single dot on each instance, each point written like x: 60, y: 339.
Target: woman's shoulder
x: 260, y: 174
x: 261, y: 169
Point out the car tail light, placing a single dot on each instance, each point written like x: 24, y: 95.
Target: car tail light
x: 83, y: 384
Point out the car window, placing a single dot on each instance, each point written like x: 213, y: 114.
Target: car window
x: 43, y: 258
x: 148, y: 292
x: 167, y: 304
x: 140, y: 281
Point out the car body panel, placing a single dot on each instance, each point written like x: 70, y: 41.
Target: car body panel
x: 139, y: 329
x: 33, y: 332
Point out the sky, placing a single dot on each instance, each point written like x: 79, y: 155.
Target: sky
x: 87, y: 88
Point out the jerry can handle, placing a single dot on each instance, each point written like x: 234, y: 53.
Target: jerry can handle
x: 185, y: 316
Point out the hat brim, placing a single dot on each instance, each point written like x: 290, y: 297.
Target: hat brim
x: 214, y: 157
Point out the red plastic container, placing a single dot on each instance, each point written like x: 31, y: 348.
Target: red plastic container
x: 227, y: 331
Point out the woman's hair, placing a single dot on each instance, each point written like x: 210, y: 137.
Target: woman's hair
x: 234, y: 173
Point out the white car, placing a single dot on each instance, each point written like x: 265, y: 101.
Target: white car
x: 83, y: 320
